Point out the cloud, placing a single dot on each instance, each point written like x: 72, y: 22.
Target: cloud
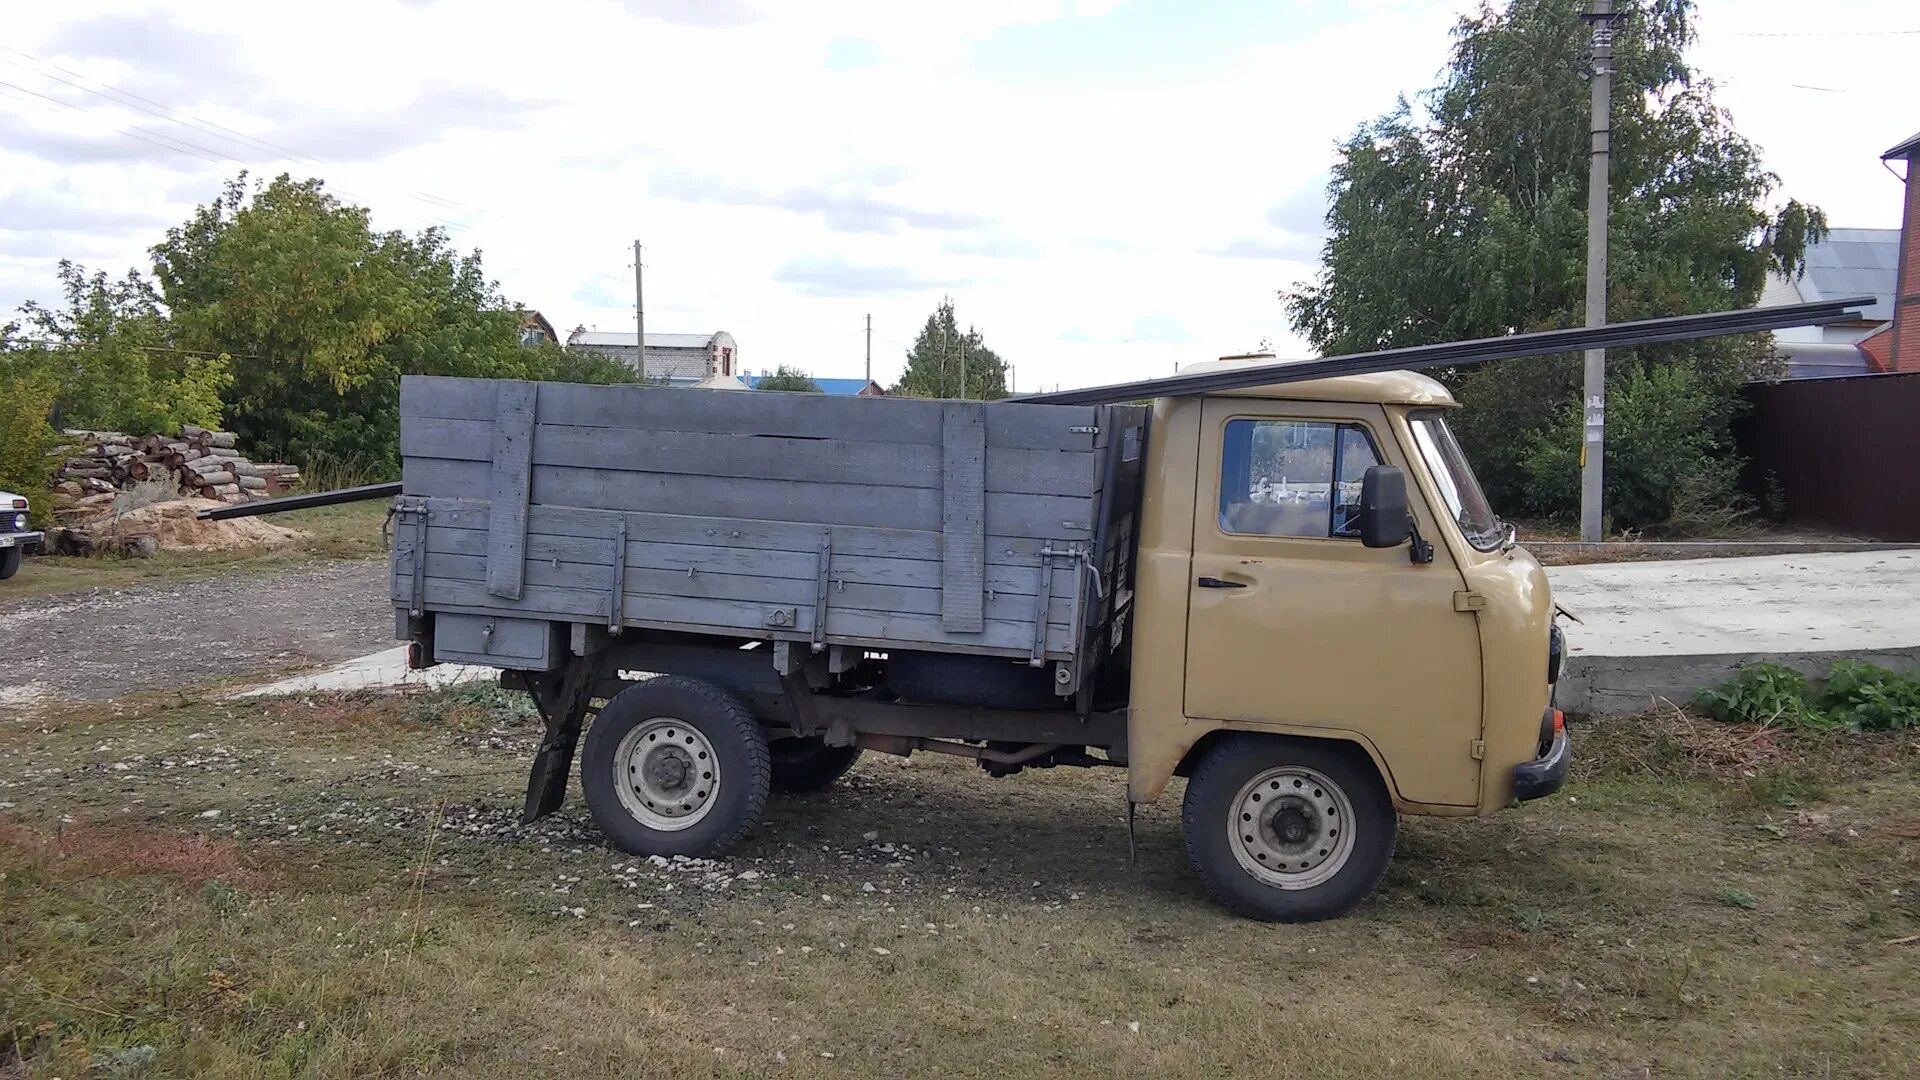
x: 30, y: 212
x: 1152, y: 328
x: 604, y: 290
x: 171, y: 63
x: 845, y: 206
x: 830, y: 275
x: 436, y: 112
x: 102, y: 147
x: 851, y: 54
x: 991, y: 244
x: 1304, y: 211
x: 707, y: 14
x: 1281, y: 247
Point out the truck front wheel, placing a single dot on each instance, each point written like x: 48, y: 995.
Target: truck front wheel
x: 1292, y: 830
x: 675, y: 766
x: 9, y: 562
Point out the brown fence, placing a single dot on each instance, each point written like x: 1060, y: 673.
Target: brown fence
x: 1840, y: 453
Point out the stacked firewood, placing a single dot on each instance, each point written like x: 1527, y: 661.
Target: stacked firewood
x: 196, y: 462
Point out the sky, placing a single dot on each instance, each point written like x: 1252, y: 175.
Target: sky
x: 1107, y: 189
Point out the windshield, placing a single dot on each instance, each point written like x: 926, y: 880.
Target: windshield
x: 1451, y: 473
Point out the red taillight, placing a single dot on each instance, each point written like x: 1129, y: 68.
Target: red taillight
x: 1559, y: 721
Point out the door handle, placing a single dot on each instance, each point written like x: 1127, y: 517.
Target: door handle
x: 1220, y: 583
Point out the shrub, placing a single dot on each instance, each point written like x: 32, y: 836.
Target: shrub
x: 1855, y: 696
x: 25, y: 436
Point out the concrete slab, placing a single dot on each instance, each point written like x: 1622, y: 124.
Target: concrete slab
x: 385, y: 670
x: 1652, y: 630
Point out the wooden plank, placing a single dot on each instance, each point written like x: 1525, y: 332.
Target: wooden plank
x: 963, y: 497
x: 509, y: 486
x: 850, y: 626
x: 1008, y: 514
x: 711, y: 560
x: 732, y: 532
x: 788, y: 592
x: 1011, y: 425
x: 1040, y: 472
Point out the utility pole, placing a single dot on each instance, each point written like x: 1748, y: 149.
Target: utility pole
x: 639, y: 318
x: 869, y: 348
x: 1599, y: 18
x: 963, y: 364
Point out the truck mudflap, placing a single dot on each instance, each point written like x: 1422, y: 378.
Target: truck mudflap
x: 1547, y: 773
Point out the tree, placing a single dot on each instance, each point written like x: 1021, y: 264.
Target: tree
x: 1469, y: 222
x: 109, y: 353
x: 790, y: 379
x: 934, y: 362
x: 323, y: 317
x: 25, y: 401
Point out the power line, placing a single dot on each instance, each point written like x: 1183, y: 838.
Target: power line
x: 170, y: 114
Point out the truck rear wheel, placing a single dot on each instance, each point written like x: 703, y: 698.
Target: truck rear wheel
x: 1290, y: 830
x: 803, y: 765
x: 675, y: 766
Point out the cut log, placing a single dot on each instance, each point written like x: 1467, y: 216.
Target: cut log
x: 96, y: 486
x: 251, y: 483
x: 213, y: 476
x: 100, y: 472
x: 116, y: 450
x: 219, y: 491
x: 222, y: 439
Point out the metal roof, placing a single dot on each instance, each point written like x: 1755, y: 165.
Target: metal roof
x: 605, y: 338
x: 840, y: 387
x: 1854, y: 262
x: 1910, y: 146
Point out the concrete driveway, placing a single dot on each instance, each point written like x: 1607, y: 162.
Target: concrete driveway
x: 1652, y: 630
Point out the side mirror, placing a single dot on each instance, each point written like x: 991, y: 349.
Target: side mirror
x: 1384, y: 519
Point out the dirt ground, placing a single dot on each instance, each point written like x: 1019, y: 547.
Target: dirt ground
x: 105, y: 643
x: 337, y: 886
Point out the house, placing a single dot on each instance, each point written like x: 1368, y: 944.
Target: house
x: 1849, y: 262
x: 837, y: 387
x: 677, y: 359
x: 1896, y: 346
x: 534, y: 328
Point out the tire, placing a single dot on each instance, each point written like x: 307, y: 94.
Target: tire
x: 9, y: 562
x: 1295, y: 790
x: 989, y: 682
x: 675, y: 766
x: 804, y: 765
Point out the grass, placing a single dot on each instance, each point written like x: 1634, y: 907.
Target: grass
x: 336, y: 886
x: 349, y: 531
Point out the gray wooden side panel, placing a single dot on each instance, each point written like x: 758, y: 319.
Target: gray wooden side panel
x: 732, y: 532
x: 850, y: 626
x: 963, y: 497
x: 510, y: 482
x: 1040, y: 472
x: 1044, y: 516
x: 666, y: 585
x: 1012, y: 425
x: 711, y: 560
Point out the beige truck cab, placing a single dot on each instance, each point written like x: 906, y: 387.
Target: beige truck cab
x: 1317, y: 563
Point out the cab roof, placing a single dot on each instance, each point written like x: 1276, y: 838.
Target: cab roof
x: 1380, y: 387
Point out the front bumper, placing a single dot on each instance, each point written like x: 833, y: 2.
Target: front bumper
x: 23, y: 539
x: 1545, y: 774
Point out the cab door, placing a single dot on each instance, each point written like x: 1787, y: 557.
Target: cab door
x: 1292, y: 622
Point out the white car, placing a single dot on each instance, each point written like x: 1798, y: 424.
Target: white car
x: 15, y: 537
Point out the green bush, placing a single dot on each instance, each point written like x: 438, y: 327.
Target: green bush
x: 1854, y: 696
x: 25, y: 402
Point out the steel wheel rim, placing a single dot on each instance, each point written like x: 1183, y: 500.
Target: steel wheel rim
x: 667, y: 774
x: 1291, y: 827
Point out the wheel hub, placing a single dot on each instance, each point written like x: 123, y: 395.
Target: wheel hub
x: 1291, y: 827
x: 669, y: 774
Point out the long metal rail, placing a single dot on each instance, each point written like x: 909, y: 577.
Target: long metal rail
x: 1511, y: 346
x: 301, y: 502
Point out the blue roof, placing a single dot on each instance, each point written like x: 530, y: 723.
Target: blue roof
x: 842, y: 387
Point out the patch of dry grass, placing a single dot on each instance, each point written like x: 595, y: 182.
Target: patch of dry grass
x: 1661, y: 917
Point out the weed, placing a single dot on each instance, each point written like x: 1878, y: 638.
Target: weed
x: 1786, y: 786
x: 1739, y: 898
x: 1854, y: 696
x: 1764, y: 693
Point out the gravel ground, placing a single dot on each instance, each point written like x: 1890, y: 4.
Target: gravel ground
x: 104, y: 643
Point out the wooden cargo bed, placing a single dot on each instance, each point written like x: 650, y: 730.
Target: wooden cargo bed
x: 881, y: 523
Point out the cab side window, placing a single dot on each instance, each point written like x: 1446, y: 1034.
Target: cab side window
x: 1293, y: 477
